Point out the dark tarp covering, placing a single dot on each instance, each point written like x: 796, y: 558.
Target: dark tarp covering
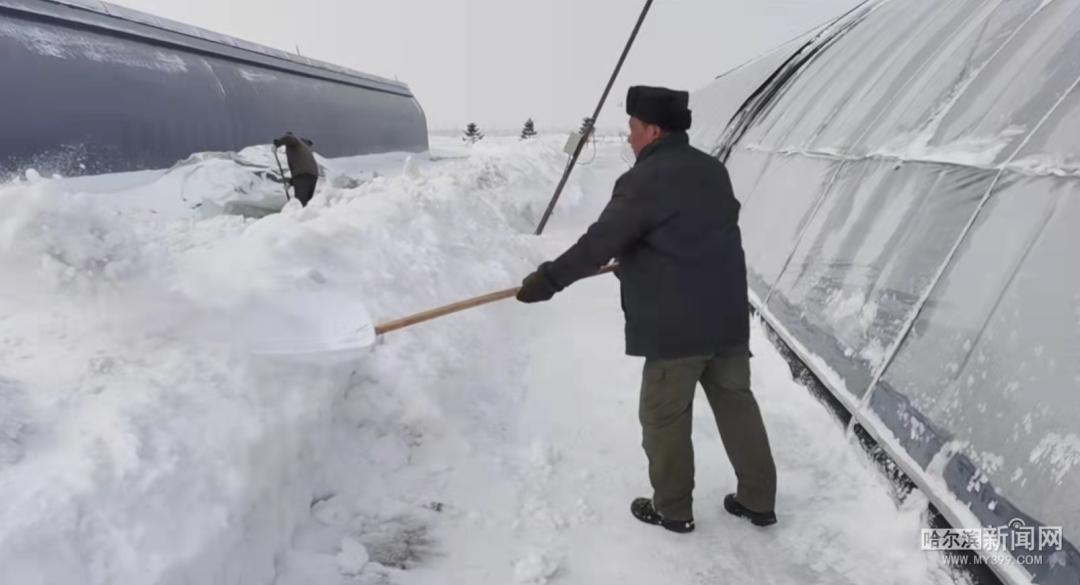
x: 91, y: 87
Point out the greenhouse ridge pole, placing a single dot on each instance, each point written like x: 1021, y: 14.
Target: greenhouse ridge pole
x: 596, y: 115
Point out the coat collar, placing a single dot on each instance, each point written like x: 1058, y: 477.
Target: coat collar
x: 668, y: 140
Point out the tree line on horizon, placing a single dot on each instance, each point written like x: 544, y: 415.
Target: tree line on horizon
x: 474, y: 134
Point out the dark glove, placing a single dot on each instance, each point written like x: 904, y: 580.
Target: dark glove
x: 538, y: 286
x: 277, y: 143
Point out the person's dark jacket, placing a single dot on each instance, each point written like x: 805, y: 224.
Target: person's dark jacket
x: 298, y: 152
x: 672, y: 225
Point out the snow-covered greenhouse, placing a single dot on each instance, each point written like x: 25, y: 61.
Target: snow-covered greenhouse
x: 909, y: 181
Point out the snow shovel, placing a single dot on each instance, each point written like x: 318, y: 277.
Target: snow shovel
x: 331, y: 323
x: 281, y: 170
x: 318, y: 323
x: 458, y: 306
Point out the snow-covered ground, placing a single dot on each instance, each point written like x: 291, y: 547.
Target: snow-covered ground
x: 142, y: 441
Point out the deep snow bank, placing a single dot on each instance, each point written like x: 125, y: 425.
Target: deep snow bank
x: 140, y: 442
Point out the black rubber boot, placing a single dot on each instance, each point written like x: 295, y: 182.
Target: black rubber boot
x: 756, y: 518
x: 643, y: 510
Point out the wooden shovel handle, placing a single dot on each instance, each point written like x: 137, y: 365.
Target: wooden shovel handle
x: 458, y: 306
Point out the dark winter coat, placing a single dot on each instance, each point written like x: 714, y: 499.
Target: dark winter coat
x: 672, y: 225
x: 298, y: 152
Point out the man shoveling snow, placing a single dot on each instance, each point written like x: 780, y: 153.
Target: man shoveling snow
x: 302, y: 165
x: 672, y: 226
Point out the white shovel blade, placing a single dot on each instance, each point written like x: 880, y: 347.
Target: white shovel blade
x: 317, y: 323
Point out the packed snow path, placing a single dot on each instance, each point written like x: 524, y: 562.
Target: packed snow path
x: 140, y: 443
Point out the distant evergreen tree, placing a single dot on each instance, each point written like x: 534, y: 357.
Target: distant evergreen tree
x: 529, y: 130
x: 472, y: 133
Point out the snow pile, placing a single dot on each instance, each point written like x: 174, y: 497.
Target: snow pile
x: 67, y: 239
x: 12, y: 422
x: 143, y: 441
x: 212, y: 183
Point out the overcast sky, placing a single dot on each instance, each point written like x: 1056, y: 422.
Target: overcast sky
x: 498, y: 62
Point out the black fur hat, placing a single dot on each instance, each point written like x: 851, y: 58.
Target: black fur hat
x: 664, y: 107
